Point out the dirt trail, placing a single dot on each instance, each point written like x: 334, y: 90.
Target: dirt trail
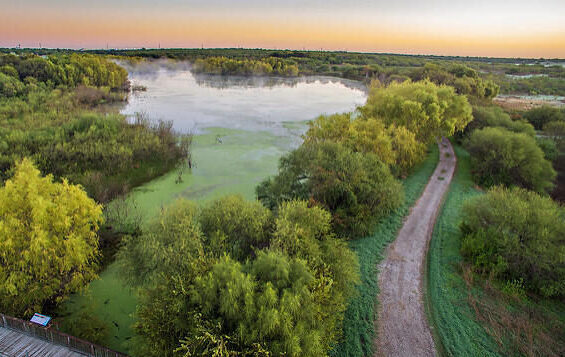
x: 403, y: 328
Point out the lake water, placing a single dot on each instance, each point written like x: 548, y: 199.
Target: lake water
x: 243, y: 125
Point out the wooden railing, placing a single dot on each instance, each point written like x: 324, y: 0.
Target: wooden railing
x: 56, y: 337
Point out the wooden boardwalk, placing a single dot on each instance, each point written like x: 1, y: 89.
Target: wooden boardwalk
x: 18, y: 344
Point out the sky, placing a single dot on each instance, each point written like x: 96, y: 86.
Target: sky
x: 493, y: 28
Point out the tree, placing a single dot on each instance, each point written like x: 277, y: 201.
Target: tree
x: 10, y: 86
x: 517, y: 236
x: 495, y: 116
x: 365, y: 136
x: 540, y: 116
x: 501, y: 157
x: 172, y: 242
x: 358, y: 189
x: 235, y: 226
x: 48, y: 240
x: 287, y: 297
x: 428, y: 110
x: 556, y: 131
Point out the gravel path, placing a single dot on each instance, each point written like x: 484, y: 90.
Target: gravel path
x: 403, y: 328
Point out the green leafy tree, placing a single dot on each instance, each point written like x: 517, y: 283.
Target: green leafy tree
x: 48, y: 240
x: 501, y: 157
x: 235, y: 226
x: 10, y: 86
x: 540, y: 116
x: 428, y: 110
x: 358, y: 189
x: 517, y: 236
x: 495, y: 116
x: 287, y: 298
x: 366, y: 136
x: 556, y: 131
x: 173, y: 242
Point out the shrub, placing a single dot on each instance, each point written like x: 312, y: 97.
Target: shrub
x: 556, y: 131
x: 540, y: 116
x: 502, y: 157
x: 496, y: 117
x: 516, y: 235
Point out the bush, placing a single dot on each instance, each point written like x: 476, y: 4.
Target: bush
x: 502, y: 157
x: 358, y: 189
x: 516, y: 235
x: 10, y: 86
x: 496, y: 117
x: 556, y: 131
x: 540, y: 116
x: 549, y: 148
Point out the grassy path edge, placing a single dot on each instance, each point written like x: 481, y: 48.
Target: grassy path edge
x: 359, y: 330
x: 455, y: 331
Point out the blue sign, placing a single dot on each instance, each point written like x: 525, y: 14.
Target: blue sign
x: 40, y: 319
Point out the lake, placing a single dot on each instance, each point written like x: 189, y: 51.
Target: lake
x: 242, y: 126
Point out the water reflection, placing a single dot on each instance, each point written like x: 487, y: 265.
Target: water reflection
x: 224, y: 82
x: 197, y: 102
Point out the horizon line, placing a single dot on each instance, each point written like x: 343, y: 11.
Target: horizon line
x: 85, y: 49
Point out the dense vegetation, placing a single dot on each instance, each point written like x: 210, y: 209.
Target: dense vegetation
x: 284, y: 291
x: 48, y: 240
x: 502, y: 263
x: 227, y: 66
x: 47, y: 114
x: 517, y: 237
x: 493, y: 116
x: 358, y: 189
x: 512, y: 75
x: 543, y: 115
x: 345, y: 162
x: 501, y: 157
x: 276, y: 276
x: 476, y: 315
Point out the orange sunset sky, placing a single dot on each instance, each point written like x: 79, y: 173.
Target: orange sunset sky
x: 471, y: 28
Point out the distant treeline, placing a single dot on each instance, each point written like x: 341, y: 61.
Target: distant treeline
x: 360, y: 66
x: 223, y: 65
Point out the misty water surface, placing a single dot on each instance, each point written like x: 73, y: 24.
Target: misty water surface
x: 197, y: 102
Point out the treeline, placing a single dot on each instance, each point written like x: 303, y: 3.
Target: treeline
x: 47, y: 114
x: 364, y: 66
x: 243, y: 278
x: 72, y: 70
x: 227, y: 66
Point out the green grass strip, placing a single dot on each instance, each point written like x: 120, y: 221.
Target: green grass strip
x: 456, y: 332
x: 359, y: 323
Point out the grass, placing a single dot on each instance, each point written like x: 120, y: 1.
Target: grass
x: 471, y: 315
x: 359, y: 324
x: 455, y: 329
